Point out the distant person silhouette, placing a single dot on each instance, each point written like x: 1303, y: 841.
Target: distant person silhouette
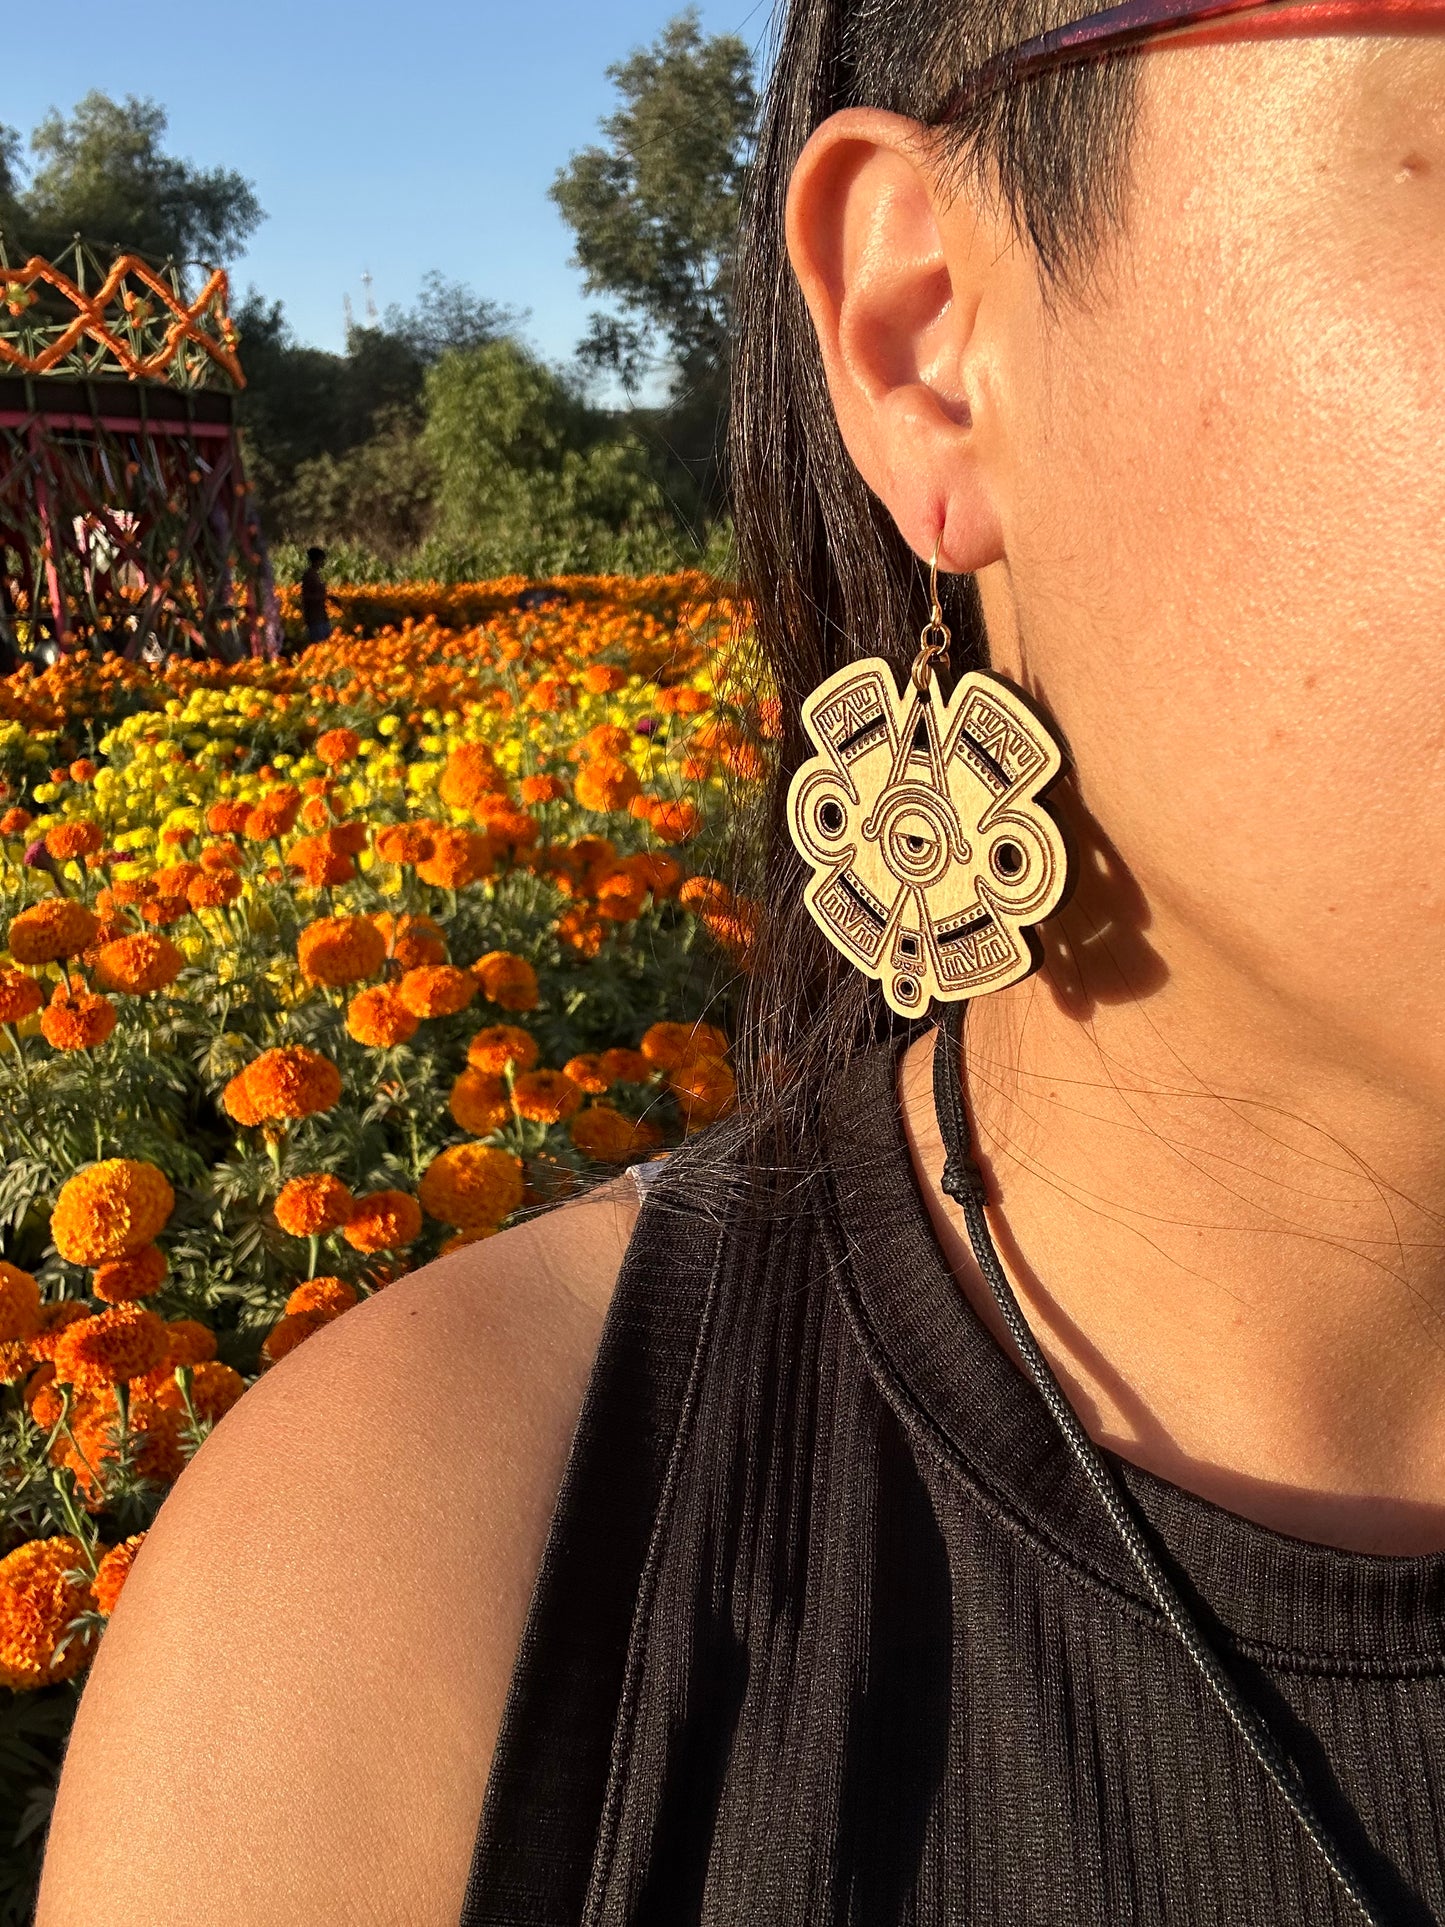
x: 313, y: 597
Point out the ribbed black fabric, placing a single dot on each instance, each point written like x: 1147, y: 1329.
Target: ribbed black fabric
x: 829, y: 1627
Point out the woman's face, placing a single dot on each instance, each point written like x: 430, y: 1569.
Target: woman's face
x: 1221, y: 492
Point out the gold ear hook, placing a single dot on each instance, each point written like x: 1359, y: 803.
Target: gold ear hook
x: 935, y: 635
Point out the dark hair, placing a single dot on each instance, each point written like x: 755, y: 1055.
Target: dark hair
x: 316, y: 556
x: 821, y: 563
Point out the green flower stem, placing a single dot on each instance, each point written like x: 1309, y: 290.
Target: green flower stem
x: 314, y: 1252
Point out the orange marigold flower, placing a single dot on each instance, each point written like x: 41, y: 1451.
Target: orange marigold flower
x: 378, y: 1017
x: 480, y: 1102
x: 121, y: 1280
x: 546, y: 1097
x: 606, y: 783
x: 499, y: 1045
x: 331, y: 1295
x: 76, y: 1019
x: 340, y: 950
x: 507, y: 980
x: 665, y: 1046
x: 626, y: 1066
x: 19, y: 1303
x: 49, y: 931
x: 736, y: 928
x: 97, y: 1353
x: 222, y: 856
x: 508, y: 830
x: 605, y: 739
x: 20, y: 996
x: 292, y: 1081
x: 215, y: 1388
x: 313, y: 1204
x: 588, y: 1074
x: 113, y: 1570
x: 535, y: 790
x: 620, y: 896
x: 458, y: 857
x: 661, y: 874
x: 126, y: 890
x: 164, y: 910
x: 601, y: 678
x: 674, y: 819
x: 37, y: 1603
x: 705, y: 893
x: 237, y: 1101
x: 214, y: 890
x: 406, y: 842
x: 472, y: 1184
x: 74, y: 839
x: 110, y: 1210
x: 470, y: 770
x: 411, y: 940
x: 274, y: 816
x: 350, y: 836
x: 189, y: 1342
x: 227, y: 818
x: 383, y: 1221
x: 436, y: 990
x: 337, y: 746
x: 138, y: 965
x: 155, y: 1441
x: 288, y: 1332
x: 54, y: 1319
x: 15, y: 822
x: 609, y: 1135
x: 704, y: 1087
x: 581, y: 930
x: 321, y: 863
x: 83, y: 770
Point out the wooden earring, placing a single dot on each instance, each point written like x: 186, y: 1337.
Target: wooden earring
x: 922, y: 820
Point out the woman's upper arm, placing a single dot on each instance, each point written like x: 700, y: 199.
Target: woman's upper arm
x: 293, y: 1710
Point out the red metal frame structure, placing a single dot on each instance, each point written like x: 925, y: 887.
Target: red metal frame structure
x: 126, y: 520
x: 1140, y: 23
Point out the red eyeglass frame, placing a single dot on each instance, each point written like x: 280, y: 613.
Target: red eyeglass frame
x: 1135, y: 23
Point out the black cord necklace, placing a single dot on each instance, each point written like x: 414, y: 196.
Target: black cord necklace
x: 963, y: 1181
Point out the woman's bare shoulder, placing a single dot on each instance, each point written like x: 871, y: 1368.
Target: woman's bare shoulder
x: 293, y: 1710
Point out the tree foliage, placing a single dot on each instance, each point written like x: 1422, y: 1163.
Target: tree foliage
x: 104, y: 172
x: 655, y: 208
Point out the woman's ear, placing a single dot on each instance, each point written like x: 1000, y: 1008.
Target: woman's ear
x: 896, y: 279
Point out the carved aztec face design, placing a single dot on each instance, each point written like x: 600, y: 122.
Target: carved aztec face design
x: 930, y: 848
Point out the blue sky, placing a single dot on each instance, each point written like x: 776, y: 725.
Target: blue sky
x: 391, y: 137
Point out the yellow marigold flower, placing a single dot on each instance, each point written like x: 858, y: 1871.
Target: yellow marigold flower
x: 626, y: 1066
x: 536, y: 790
x: 665, y: 1046
x: 19, y: 1303
x: 37, y: 1603
x: 340, y: 950
x: 112, y: 1572
x: 331, y: 1295
x: 546, y: 1097
x: 138, y: 964
x: 411, y: 940
x: 109, y: 1210
x: 292, y: 1082
x: 507, y: 980
x: 20, y: 996
x: 96, y: 1353
x: 480, y: 1102
x: 49, y: 931
x: 436, y: 990
x: 121, y: 1280
x: 458, y: 857
x: 238, y: 1102
x: 379, y: 1018
x: 499, y: 1045
x: 214, y: 890
x: 588, y: 1074
x: 472, y: 1184
x: 609, y: 1135
x: 76, y: 839
x: 313, y: 1204
x: 606, y: 783
x: 288, y: 1332
x: 383, y: 1221
x: 337, y: 746
x: 215, y: 1388
x: 406, y: 842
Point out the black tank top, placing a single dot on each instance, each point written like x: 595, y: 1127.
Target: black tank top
x: 829, y: 1627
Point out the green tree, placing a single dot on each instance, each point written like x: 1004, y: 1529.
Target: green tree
x: 529, y: 477
x: 655, y: 208
x: 105, y: 173
x: 9, y: 179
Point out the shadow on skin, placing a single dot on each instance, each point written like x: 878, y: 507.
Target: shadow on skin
x: 1095, y: 949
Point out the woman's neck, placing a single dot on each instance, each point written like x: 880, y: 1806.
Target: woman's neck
x: 1233, y: 1256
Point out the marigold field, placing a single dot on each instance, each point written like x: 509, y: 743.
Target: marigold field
x: 313, y: 970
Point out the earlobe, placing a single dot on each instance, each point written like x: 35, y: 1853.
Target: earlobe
x: 893, y: 276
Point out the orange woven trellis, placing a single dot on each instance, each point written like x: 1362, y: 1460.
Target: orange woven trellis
x: 118, y: 321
